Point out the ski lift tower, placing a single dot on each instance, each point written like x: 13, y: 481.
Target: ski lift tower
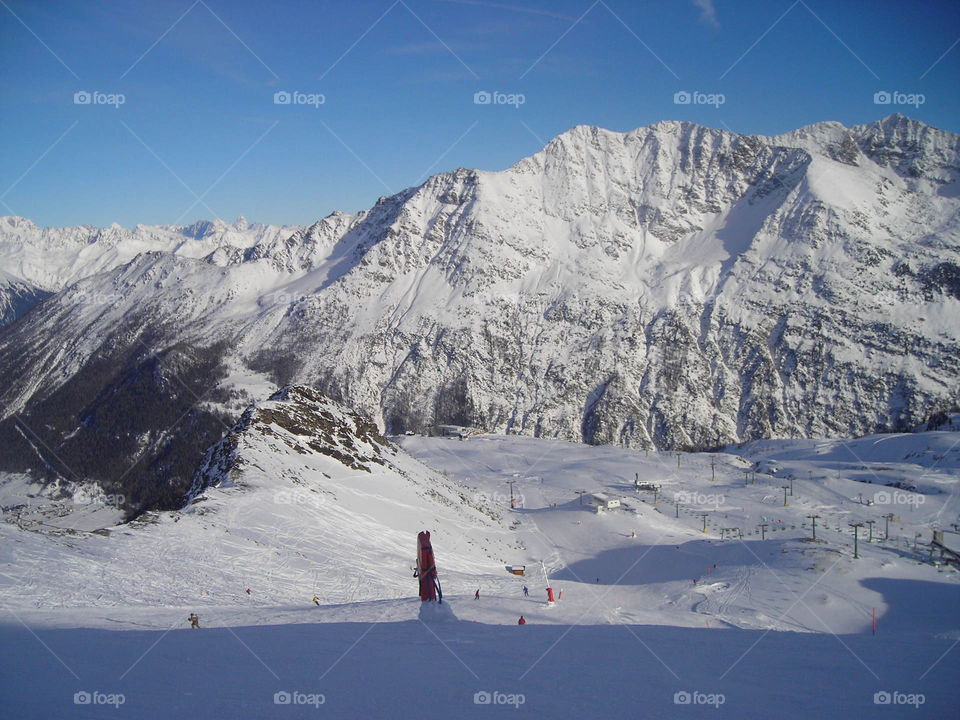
x: 546, y: 580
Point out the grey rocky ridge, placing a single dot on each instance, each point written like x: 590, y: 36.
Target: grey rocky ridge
x: 675, y: 286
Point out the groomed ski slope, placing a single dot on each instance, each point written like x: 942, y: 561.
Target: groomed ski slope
x: 781, y: 627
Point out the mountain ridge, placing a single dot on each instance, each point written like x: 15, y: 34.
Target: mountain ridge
x: 671, y: 287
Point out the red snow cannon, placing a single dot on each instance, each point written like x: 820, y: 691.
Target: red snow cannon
x: 426, y: 570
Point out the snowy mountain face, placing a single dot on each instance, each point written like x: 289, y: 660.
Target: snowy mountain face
x: 300, y: 497
x: 53, y: 258
x: 16, y: 297
x: 671, y: 287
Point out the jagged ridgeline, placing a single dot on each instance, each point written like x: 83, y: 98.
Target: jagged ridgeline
x: 674, y: 286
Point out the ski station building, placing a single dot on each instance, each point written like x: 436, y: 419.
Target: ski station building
x: 602, y: 501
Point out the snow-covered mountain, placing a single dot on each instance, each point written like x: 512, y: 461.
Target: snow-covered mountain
x: 673, y: 286
x: 53, y: 258
x: 300, y: 497
x: 17, y: 296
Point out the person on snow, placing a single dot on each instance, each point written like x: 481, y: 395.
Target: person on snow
x: 194, y: 621
x: 476, y: 595
x: 521, y: 621
x: 316, y: 601
x: 248, y: 591
x: 526, y: 591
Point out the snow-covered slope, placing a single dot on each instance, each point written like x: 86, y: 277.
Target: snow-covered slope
x: 301, y: 497
x: 713, y: 587
x: 17, y: 296
x: 674, y: 286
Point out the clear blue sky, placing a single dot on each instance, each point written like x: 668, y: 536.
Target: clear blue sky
x: 398, y: 80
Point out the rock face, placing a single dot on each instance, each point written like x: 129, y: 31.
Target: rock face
x: 674, y: 286
x: 303, y: 421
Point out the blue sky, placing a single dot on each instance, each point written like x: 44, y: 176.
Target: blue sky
x: 398, y: 83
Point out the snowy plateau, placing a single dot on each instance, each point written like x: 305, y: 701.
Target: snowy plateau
x: 744, y: 348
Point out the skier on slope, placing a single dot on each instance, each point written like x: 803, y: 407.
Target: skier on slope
x: 194, y: 620
x: 316, y: 601
x: 521, y: 621
x: 476, y: 595
x: 526, y: 591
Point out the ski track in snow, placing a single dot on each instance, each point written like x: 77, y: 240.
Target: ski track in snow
x: 353, y: 545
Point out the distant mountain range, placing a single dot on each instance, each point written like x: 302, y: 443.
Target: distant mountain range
x: 674, y: 287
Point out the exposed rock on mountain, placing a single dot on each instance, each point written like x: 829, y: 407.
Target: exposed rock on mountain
x: 674, y: 286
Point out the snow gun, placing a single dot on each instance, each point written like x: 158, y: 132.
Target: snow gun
x: 426, y: 570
